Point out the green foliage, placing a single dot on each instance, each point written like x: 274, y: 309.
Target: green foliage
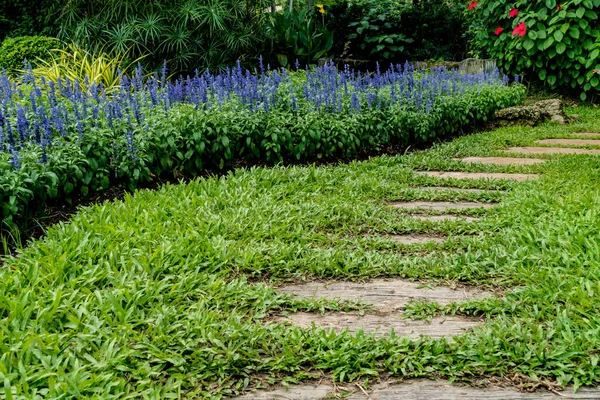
x: 399, y: 30
x: 560, y: 48
x: 189, y: 34
x: 376, y: 31
x: 298, y: 35
x: 13, y: 51
x: 161, y: 295
x: 28, y: 17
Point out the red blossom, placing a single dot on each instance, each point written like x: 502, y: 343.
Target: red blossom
x: 559, y: 7
x: 472, y: 5
x: 513, y: 12
x: 520, y: 29
x: 498, y: 31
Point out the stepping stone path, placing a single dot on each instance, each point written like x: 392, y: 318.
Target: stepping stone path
x: 388, y: 297
x: 477, y: 175
x: 416, y: 389
x: 550, y: 150
x: 574, y: 142
x: 501, y: 160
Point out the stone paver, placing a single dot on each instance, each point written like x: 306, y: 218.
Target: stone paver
x: 586, y: 134
x: 501, y: 160
x: 550, y: 150
x: 441, y: 205
x: 381, y: 324
x: 416, y: 239
x: 445, y: 217
x: 457, y: 189
x: 385, y: 294
x: 417, y: 389
x: 388, y: 297
x: 574, y: 142
x: 476, y: 175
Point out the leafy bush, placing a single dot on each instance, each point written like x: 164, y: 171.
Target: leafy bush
x: 398, y: 30
x: 555, y: 42
x: 298, y: 36
x: 189, y: 34
x: 65, y: 139
x: 27, y: 17
x: 14, y: 51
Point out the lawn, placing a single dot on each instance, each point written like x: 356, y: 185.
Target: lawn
x: 170, y: 293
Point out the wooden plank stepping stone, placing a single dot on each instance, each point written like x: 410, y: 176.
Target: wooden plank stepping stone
x: 456, y: 189
x: 384, y: 294
x: 587, y: 134
x: 416, y: 389
x: 550, y: 150
x: 441, y: 205
x: 501, y: 160
x: 381, y: 324
x: 445, y: 218
x: 415, y: 239
x: 574, y: 142
x: 476, y: 175
x: 389, y: 297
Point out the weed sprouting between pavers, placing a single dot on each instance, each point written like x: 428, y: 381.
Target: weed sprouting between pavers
x: 160, y: 295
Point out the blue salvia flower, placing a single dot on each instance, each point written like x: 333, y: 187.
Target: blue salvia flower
x: 15, y: 160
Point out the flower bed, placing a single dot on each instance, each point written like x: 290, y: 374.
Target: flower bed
x: 64, y: 139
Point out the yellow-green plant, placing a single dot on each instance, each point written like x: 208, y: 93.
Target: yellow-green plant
x: 77, y: 63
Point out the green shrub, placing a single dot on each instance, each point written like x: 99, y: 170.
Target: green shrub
x: 189, y: 34
x: 299, y: 36
x: 397, y: 30
x: 555, y: 42
x: 28, y: 17
x: 14, y: 51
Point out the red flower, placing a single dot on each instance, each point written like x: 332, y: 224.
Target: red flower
x: 498, y: 31
x: 513, y: 12
x: 472, y: 5
x: 558, y: 7
x: 520, y: 29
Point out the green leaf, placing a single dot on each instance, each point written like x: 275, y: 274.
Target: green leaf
x: 580, y: 12
x: 560, y: 48
x: 551, y: 3
x: 528, y: 44
x: 558, y: 36
x: 548, y: 42
x: 532, y: 35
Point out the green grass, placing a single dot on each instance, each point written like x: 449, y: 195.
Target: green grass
x: 167, y: 294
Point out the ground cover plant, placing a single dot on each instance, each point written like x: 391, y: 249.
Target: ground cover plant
x: 165, y: 294
x: 67, y: 138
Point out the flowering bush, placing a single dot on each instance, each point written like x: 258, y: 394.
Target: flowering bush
x: 555, y: 41
x: 66, y: 138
